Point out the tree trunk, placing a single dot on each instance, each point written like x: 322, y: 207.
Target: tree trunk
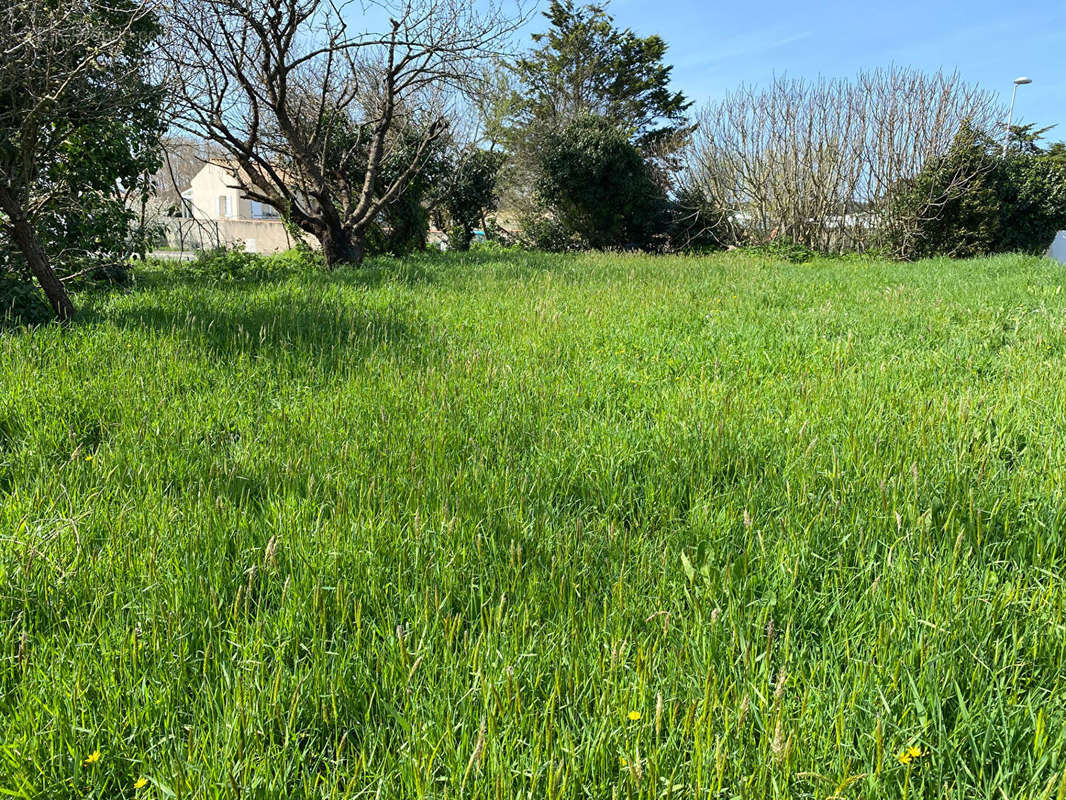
x: 341, y: 246
x: 36, y: 258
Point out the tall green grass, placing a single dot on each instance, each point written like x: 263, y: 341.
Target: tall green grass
x: 520, y: 526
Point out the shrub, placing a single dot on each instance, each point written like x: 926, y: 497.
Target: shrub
x: 301, y: 257
x: 497, y: 234
x: 470, y: 194
x: 547, y: 233
x: 975, y: 201
x: 599, y: 188
x: 234, y: 264
x: 224, y: 263
x: 21, y: 303
x: 1032, y: 204
x: 459, y: 237
x: 785, y: 250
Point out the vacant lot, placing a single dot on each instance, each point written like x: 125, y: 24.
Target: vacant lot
x: 530, y: 526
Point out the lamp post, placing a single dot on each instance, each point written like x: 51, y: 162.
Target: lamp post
x: 1010, y: 118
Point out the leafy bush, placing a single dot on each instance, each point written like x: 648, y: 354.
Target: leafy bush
x: 549, y: 234
x: 301, y: 257
x: 785, y: 250
x: 21, y: 303
x: 497, y: 234
x: 470, y: 193
x: 599, y: 188
x: 222, y: 263
x: 402, y: 226
x: 459, y: 237
x: 234, y: 264
x: 1032, y: 204
x: 975, y: 201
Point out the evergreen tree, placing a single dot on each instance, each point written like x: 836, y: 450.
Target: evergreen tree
x: 585, y: 66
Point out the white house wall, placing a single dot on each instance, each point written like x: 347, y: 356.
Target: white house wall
x: 1058, y: 248
x: 207, y: 186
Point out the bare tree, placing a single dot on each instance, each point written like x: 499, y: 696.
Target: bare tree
x: 63, y: 67
x: 307, y: 106
x: 817, y: 163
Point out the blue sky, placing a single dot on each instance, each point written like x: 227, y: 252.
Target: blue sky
x: 716, y: 46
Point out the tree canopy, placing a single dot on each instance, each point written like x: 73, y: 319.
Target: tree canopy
x: 596, y: 183
x: 974, y: 200
x: 79, y: 125
x: 585, y: 66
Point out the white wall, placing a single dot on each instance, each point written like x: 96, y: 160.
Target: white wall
x: 1057, y: 250
x: 205, y: 189
x: 255, y: 235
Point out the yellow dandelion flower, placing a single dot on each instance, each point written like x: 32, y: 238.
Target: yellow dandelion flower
x: 94, y: 756
x: 140, y: 783
x: 904, y: 757
x: 89, y: 457
x: 622, y: 761
x: 634, y: 715
x: 915, y: 752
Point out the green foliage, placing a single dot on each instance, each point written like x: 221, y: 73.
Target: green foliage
x: 781, y: 249
x: 1032, y: 203
x: 403, y: 224
x: 695, y: 222
x: 226, y: 265
x: 975, y: 201
x: 586, y: 66
x: 459, y: 238
x: 495, y: 233
x: 88, y: 174
x: 548, y: 234
x: 593, y: 91
x: 1025, y: 139
x: 470, y: 192
x: 308, y: 537
x: 21, y: 303
x: 1056, y: 152
x: 599, y: 187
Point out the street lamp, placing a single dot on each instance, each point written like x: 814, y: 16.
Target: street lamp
x: 1010, y: 119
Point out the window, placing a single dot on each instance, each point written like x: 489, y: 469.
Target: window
x: 263, y: 211
x: 223, y: 205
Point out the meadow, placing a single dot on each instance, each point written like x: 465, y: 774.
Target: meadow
x: 508, y: 525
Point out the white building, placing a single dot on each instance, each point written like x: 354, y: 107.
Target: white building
x: 1057, y: 250
x: 217, y: 214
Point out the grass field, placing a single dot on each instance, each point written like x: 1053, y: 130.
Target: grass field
x: 520, y: 526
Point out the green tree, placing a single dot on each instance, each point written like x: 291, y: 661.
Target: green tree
x: 79, y: 127
x: 1026, y: 138
x: 592, y: 90
x: 598, y: 186
x: 402, y: 226
x: 976, y: 201
x: 1056, y: 152
x: 585, y: 66
x: 470, y: 193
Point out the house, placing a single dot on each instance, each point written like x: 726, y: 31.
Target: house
x: 197, y: 207
x: 215, y: 213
